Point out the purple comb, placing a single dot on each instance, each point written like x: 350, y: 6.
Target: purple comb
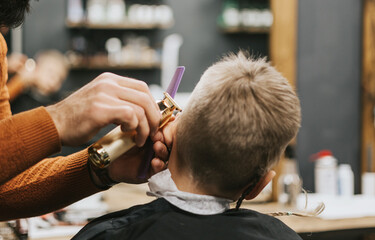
x: 176, y: 80
x: 171, y: 90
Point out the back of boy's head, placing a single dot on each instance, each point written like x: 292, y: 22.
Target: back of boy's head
x: 240, y: 117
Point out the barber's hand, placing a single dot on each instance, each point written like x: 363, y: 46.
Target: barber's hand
x: 107, y: 99
x: 16, y: 62
x: 128, y: 167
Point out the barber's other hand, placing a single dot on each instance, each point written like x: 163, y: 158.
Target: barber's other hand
x: 16, y: 62
x: 107, y: 99
x: 127, y: 168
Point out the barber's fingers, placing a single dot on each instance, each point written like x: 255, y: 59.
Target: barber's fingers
x: 123, y: 115
x: 143, y: 130
x: 158, y: 137
x: 113, y: 110
x: 133, y: 117
x: 159, y: 162
x: 161, y: 151
x: 130, y: 117
x: 145, y: 102
x: 160, y: 148
x: 157, y: 165
x: 133, y: 84
x: 136, y: 107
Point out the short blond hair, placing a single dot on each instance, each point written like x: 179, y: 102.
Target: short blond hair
x: 240, y: 117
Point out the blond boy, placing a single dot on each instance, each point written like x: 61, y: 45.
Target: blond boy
x: 239, y: 119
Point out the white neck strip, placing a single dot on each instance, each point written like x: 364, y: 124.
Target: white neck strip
x: 162, y: 186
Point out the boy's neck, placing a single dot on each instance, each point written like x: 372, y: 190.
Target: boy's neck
x: 183, y: 180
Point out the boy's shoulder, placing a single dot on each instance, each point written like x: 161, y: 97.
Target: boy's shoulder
x: 161, y: 220
x: 262, y: 225
x: 121, y: 220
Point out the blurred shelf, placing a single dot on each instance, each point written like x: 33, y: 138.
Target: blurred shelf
x: 124, y: 26
x: 249, y: 30
x: 108, y: 67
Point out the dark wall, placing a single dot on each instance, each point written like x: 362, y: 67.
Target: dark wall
x: 329, y: 63
x: 44, y: 27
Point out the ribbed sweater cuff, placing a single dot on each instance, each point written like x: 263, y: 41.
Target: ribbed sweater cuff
x: 78, y: 172
x: 38, y: 133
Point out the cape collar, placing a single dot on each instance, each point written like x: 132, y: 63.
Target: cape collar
x: 162, y: 186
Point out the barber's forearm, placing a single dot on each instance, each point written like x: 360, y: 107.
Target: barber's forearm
x: 25, y: 139
x: 49, y: 185
x: 4, y: 102
x: 15, y: 87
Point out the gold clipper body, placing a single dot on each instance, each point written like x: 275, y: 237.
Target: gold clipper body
x: 117, y: 142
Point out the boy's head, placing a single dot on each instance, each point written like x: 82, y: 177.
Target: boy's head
x: 240, y: 117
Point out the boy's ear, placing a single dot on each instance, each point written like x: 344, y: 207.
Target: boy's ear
x: 260, y: 185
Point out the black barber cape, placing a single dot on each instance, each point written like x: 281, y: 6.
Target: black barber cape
x: 161, y: 220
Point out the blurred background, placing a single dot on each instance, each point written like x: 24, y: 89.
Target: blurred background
x: 324, y: 48
x: 328, y: 44
x: 327, y: 54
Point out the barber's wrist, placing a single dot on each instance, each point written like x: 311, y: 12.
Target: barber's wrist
x: 100, y: 175
x: 95, y: 179
x: 57, y: 118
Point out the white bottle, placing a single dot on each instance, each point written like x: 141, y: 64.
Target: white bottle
x: 96, y: 11
x: 325, y: 173
x: 346, y: 180
x: 115, y: 11
x: 75, y: 11
x: 368, y: 184
x: 289, y: 183
x: 231, y: 17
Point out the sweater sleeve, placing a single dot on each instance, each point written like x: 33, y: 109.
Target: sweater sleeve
x: 52, y: 183
x: 4, y: 96
x: 25, y: 139
x: 15, y: 87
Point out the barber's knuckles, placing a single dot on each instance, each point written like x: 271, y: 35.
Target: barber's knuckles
x: 124, y: 82
x: 116, y: 99
x: 127, y: 89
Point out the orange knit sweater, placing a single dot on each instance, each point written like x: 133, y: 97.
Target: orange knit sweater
x: 15, y: 87
x: 29, y: 185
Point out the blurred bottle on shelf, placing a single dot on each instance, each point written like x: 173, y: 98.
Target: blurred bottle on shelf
x: 75, y: 11
x: 345, y: 180
x: 231, y: 13
x: 368, y: 184
x: 256, y: 15
x: 137, y: 50
x: 92, y: 50
x: 150, y: 14
x: 116, y: 11
x: 113, y: 47
x: 325, y: 173
x: 289, y: 181
x: 96, y: 11
x: 247, y: 14
x: 163, y: 15
x: 120, y: 11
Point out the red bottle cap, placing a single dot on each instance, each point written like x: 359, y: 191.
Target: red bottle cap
x: 323, y: 153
